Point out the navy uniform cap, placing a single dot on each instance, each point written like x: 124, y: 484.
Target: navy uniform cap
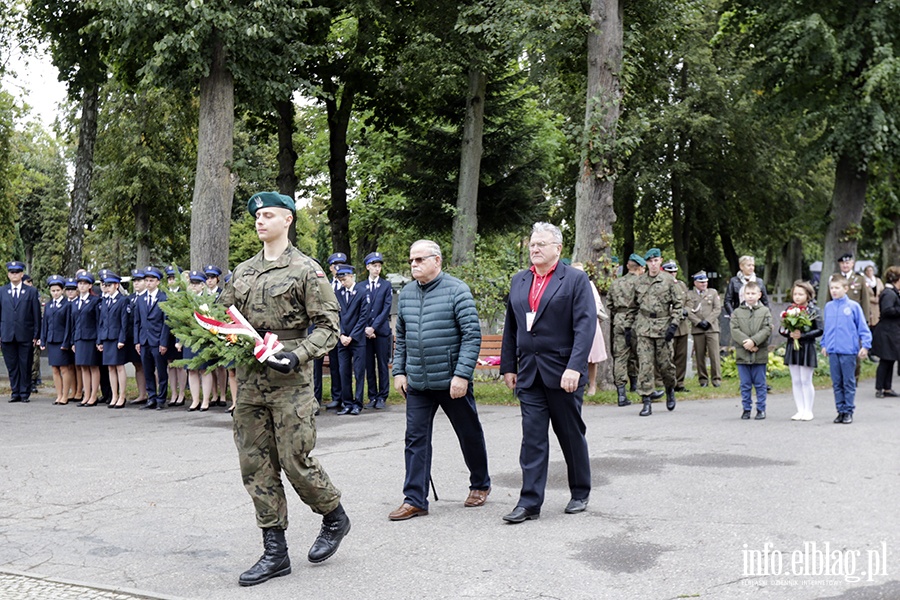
x: 172, y: 270
x: 337, y: 257
x: 152, y: 272
x: 71, y: 284
x: 227, y: 277
x: 652, y: 253
x: 110, y: 277
x: 701, y: 276
x: 269, y: 199
x: 15, y: 265
x: 26, y: 277
x: 638, y: 259
x: 56, y: 280
x: 101, y: 274
x: 374, y: 257
x: 137, y: 274
x: 197, y: 276
x: 345, y: 270
x: 212, y: 271
x: 670, y: 266
x: 85, y: 276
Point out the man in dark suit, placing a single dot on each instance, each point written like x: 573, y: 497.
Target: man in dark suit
x: 550, y: 321
x: 20, y: 329
x: 334, y: 361
x: 151, y: 334
x: 352, y: 340
x: 378, y: 331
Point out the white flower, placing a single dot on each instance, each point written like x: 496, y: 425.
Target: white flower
x: 204, y: 308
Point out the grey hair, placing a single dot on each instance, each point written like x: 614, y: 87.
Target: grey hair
x: 432, y: 246
x: 541, y: 227
x: 745, y: 259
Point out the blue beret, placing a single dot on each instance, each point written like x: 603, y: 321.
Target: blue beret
x: 273, y: 199
x: 85, y: 276
x: 71, y: 284
x: 700, y: 276
x: 197, y: 276
x: 212, y: 271
x: 374, y: 257
x: 337, y: 257
x: 137, y: 274
x: 638, y: 259
x: 172, y: 270
x: 152, y: 272
x: 56, y: 280
x: 345, y: 270
x: 652, y: 253
x: 110, y: 277
x: 15, y: 265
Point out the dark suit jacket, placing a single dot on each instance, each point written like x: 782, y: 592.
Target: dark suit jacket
x: 150, y: 327
x: 353, y: 319
x: 55, y: 326
x: 113, y: 320
x: 20, y: 320
x: 83, y: 321
x: 562, y: 332
x: 378, y: 306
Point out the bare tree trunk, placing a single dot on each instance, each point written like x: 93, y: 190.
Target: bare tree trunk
x: 338, y: 212
x: 287, y: 156
x: 465, y: 222
x: 213, y: 184
x: 84, y: 169
x: 790, y: 266
x: 847, y: 203
x: 594, y: 212
x: 142, y: 233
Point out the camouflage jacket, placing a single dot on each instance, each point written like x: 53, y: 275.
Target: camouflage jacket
x: 284, y: 296
x: 619, y: 298
x: 706, y: 306
x: 684, y: 326
x: 656, y: 304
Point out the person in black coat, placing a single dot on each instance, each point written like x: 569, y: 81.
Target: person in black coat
x: 886, y: 337
x: 55, y: 339
x: 803, y: 361
x: 20, y: 330
x: 734, y: 293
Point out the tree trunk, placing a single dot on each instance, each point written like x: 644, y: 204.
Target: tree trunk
x: 790, y: 266
x: 594, y: 212
x: 338, y: 213
x: 213, y: 183
x: 84, y: 169
x: 465, y: 222
x: 142, y: 233
x: 287, y: 156
x: 847, y: 202
x: 728, y: 249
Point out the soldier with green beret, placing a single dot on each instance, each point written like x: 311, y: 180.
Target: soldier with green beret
x: 655, y: 311
x: 281, y: 290
x: 624, y: 343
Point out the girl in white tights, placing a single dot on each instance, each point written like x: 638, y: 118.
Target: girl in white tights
x: 803, y: 362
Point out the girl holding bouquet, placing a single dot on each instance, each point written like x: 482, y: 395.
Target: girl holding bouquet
x: 801, y: 323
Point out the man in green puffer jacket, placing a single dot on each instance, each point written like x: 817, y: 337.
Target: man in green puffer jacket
x: 438, y: 337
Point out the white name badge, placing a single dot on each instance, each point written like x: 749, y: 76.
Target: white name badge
x: 529, y: 320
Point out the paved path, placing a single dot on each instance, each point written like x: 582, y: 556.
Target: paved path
x: 693, y: 503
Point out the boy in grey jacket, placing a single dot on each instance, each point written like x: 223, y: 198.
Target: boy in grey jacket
x: 751, y: 327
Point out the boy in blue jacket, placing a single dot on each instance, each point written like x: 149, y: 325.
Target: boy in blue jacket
x: 846, y: 337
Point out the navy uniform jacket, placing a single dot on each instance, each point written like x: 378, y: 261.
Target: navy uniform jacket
x: 562, y: 332
x: 55, y: 326
x: 378, y: 306
x: 20, y: 320
x: 113, y: 320
x: 83, y: 321
x: 353, y: 322
x: 150, y: 327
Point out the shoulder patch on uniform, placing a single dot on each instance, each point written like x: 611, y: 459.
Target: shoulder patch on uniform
x: 320, y: 273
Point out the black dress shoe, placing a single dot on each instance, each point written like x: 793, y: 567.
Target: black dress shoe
x: 745, y: 415
x: 520, y: 515
x: 760, y: 415
x: 355, y: 411
x: 890, y: 394
x: 716, y: 384
x: 848, y: 418
x: 149, y: 406
x: 379, y: 404
x: 335, y: 525
x: 576, y: 505
x: 680, y: 388
x: 333, y: 405
x: 704, y: 384
x: 345, y: 410
x: 25, y: 399
x: 371, y: 404
x: 839, y: 418
x: 15, y: 399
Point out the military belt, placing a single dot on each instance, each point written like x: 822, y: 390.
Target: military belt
x: 647, y: 313
x: 285, y: 334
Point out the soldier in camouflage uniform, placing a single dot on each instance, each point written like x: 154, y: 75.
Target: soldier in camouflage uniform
x: 624, y: 344
x: 680, y: 342
x: 283, y: 291
x: 655, y: 312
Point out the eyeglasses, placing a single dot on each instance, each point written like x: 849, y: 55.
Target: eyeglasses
x: 420, y: 259
x: 534, y: 245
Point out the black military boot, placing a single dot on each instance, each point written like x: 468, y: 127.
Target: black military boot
x: 646, y: 411
x: 623, y: 399
x: 670, y: 398
x: 633, y: 381
x: 335, y: 525
x: 274, y: 562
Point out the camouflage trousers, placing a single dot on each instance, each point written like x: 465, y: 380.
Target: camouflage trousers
x: 654, y: 355
x: 624, y: 359
x: 274, y: 431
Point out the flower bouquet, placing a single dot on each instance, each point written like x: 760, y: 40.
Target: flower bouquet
x: 796, y: 318
x: 217, y: 337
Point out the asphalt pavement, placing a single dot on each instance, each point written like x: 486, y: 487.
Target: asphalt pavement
x: 696, y: 503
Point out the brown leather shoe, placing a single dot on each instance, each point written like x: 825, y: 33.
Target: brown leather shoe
x: 407, y: 511
x: 477, y: 497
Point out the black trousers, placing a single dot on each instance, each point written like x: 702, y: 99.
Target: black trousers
x: 18, y: 356
x: 155, y: 366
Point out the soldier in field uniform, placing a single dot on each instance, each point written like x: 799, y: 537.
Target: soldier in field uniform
x: 680, y: 343
x: 624, y: 343
x: 655, y: 312
x: 283, y: 291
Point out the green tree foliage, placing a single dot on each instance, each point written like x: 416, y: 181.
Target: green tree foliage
x: 9, y: 206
